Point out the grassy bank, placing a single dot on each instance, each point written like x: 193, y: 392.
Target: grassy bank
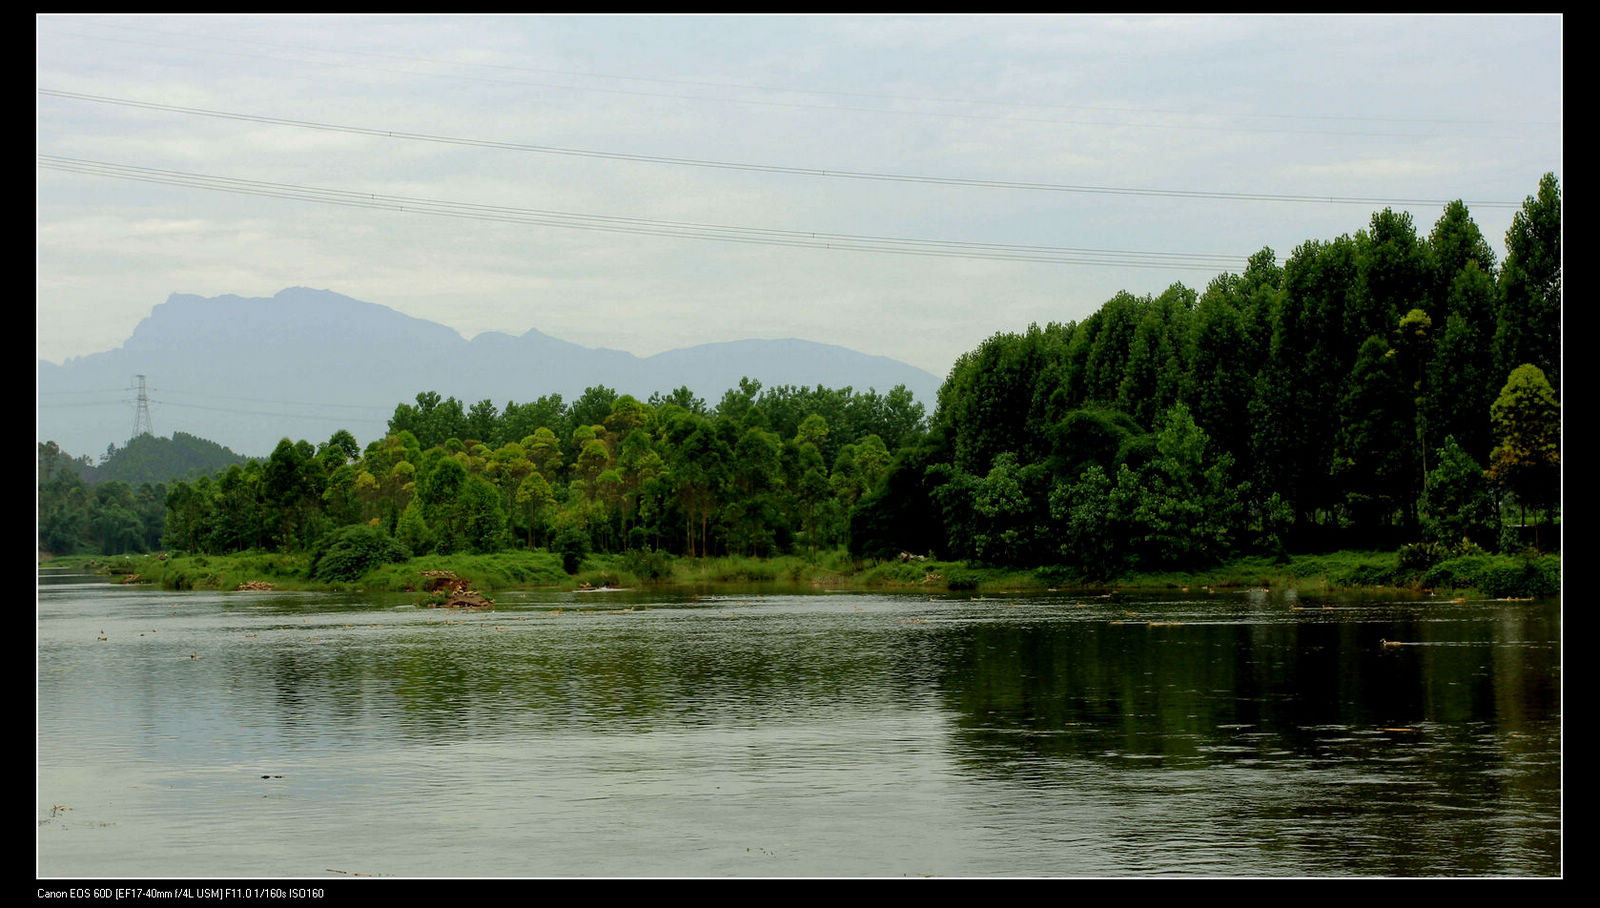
x: 1491, y: 575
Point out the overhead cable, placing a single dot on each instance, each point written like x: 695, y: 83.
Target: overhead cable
x: 651, y: 227
x: 770, y: 168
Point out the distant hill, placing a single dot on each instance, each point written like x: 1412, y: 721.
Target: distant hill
x: 151, y: 459
x: 146, y: 458
x: 305, y: 363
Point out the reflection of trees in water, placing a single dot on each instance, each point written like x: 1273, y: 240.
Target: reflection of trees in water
x: 1288, y: 742
x: 1188, y: 689
x: 507, y: 672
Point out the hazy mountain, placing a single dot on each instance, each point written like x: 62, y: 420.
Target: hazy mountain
x: 304, y: 363
x: 152, y: 459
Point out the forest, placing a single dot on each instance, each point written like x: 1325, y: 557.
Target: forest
x: 1384, y: 389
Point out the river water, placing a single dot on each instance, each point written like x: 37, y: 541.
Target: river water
x: 1235, y: 734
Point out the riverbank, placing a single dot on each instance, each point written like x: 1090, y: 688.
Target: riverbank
x: 1498, y: 576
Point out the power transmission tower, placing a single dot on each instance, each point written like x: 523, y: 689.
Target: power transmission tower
x: 141, y: 413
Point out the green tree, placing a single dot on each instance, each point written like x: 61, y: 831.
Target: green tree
x: 536, y: 500
x: 1093, y: 531
x: 592, y: 406
x: 1527, y: 456
x: 292, y: 490
x: 1457, y: 503
x: 1009, y: 509
x: 1460, y: 387
x: 1529, y: 319
x: 1455, y: 244
x: 340, y: 449
x: 413, y: 531
x: 1182, y: 509
x: 1372, y: 460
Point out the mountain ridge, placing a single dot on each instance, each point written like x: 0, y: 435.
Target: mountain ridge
x: 304, y: 363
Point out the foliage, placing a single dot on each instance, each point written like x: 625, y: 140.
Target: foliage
x: 1344, y: 396
x: 349, y: 552
x: 149, y: 458
x: 572, y: 544
x: 648, y: 565
x: 1457, y: 504
x: 1498, y: 575
x: 1527, y: 457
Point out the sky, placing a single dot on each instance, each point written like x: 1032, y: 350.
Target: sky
x: 904, y: 186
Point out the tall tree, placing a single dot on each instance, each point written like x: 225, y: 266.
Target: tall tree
x: 1529, y: 324
x: 1372, y: 460
x: 1527, y: 456
x: 1453, y: 245
x: 1460, y: 386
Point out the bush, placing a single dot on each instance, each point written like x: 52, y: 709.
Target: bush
x: 572, y: 544
x: 959, y: 579
x: 1366, y: 573
x: 349, y: 552
x: 1420, y: 556
x: 1054, y: 575
x: 646, y: 564
x: 1499, y: 575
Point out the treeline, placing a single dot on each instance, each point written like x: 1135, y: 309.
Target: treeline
x: 1372, y: 391
x: 153, y: 459
x: 1375, y: 390
x: 762, y: 472
x: 110, y: 518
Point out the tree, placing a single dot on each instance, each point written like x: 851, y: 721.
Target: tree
x: 482, y: 422
x: 1457, y: 504
x: 1182, y: 509
x: 240, y: 518
x: 290, y: 484
x: 1392, y: 275
x: 440, y: 496
x: 413, y: 531
x: 592, y: 406
x: 339, y: 449
x: 1093, y: 536
x: 1455, y: 244
x: 1527, y: 456
x: 899, y: 515
x: 1372, y: 459
x: 1221, y: 371
x: 991, y: 401
x: 1301, y: 380
x: 1529, y: 322
x: 1460, y: 389
x: 535, y: 498
x: 1009, y: 507
x: 544, y: 452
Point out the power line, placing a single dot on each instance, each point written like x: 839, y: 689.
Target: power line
x: 282, y: 414
x: 166, y: 401
x: 765, y: 168
x: 1517, y: 124
x: 651, y: 227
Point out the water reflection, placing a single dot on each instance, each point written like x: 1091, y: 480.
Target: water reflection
x: 1235, y: 734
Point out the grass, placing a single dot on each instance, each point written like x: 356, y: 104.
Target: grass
x: 1495, y: 575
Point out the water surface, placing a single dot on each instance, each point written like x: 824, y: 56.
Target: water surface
x: 261, y: 734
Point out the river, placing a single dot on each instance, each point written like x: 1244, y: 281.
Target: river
x: 795, y: 734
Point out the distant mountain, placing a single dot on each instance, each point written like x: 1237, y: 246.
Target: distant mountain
x: 148, y: 458
x: 305, y: 363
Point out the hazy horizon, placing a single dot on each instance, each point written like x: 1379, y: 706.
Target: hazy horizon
x: 904, y: 185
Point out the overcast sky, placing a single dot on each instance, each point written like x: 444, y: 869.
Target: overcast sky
x: 557, y: 169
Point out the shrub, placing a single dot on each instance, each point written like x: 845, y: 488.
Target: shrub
x: 1499, y: 575
x: 647, y: 564
x: 349, y: 552
x: 572, y: 543
x: 1420, y: 556
x: 959, y: 579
